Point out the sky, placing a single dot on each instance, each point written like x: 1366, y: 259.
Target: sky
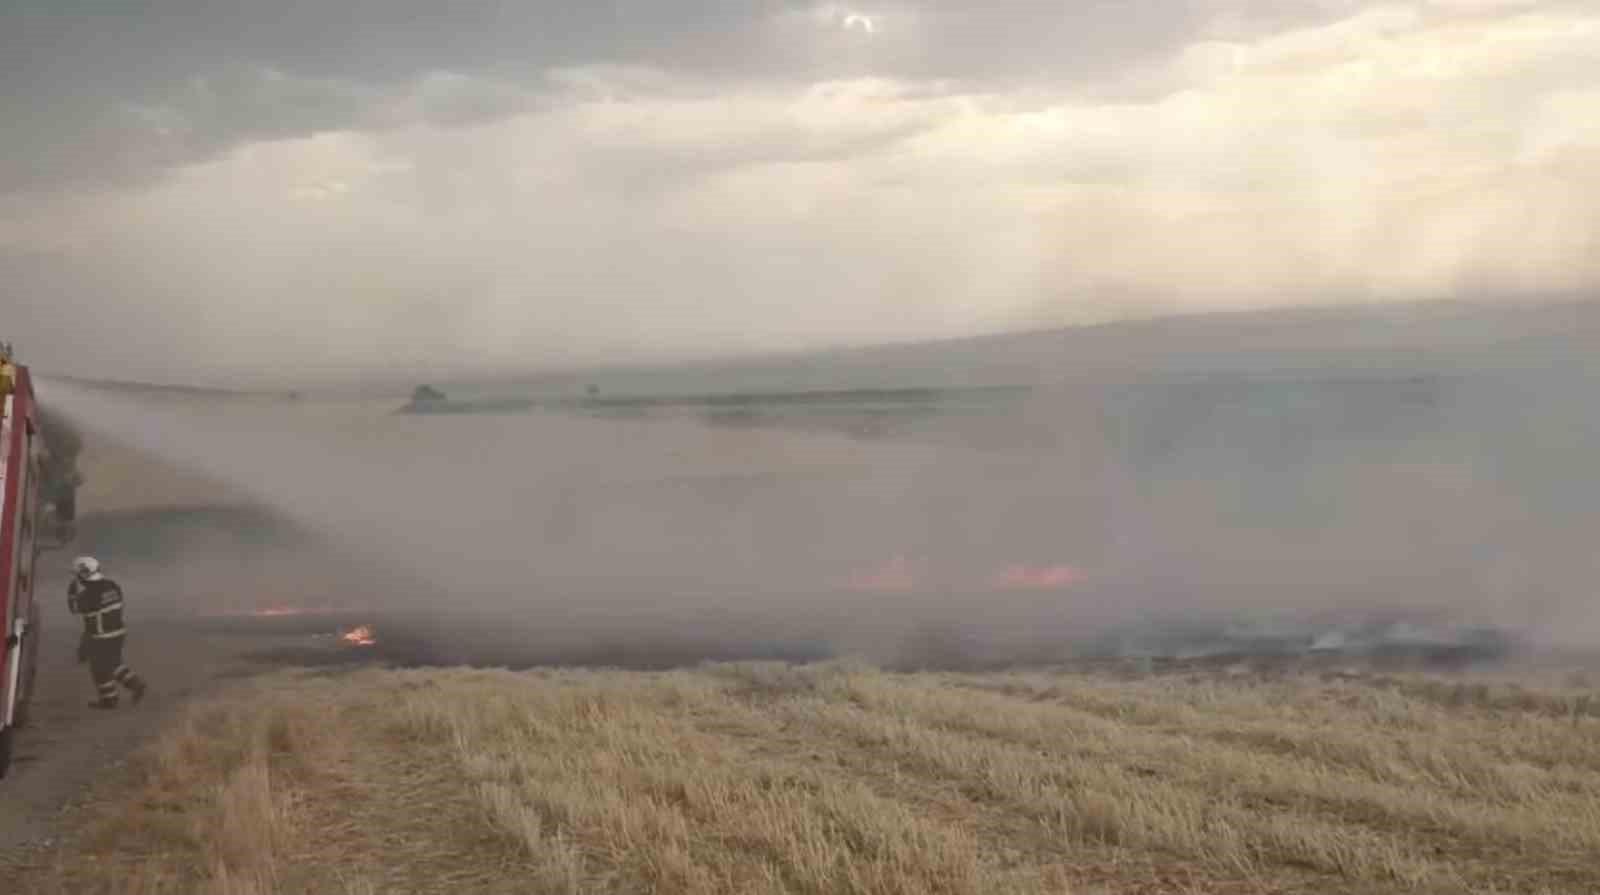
x: 221, y: 191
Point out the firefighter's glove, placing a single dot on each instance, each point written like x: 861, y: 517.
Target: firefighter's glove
x: 83, y: 649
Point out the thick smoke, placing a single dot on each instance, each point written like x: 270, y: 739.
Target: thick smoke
x: 1315, y: 500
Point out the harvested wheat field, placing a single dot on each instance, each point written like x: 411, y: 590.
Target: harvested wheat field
x: 839, y: 778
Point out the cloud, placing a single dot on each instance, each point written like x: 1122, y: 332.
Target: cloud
x: 224, y: 73
x: 616, y: 182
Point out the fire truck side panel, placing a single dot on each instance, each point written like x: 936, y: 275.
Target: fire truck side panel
x: 27, y: 590
x: 9, y: 652
x: 16, y: 539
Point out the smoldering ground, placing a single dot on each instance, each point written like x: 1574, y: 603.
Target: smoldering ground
x: 1305, y: 504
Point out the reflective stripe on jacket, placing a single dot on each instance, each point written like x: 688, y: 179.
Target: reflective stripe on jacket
x: 100, y: 603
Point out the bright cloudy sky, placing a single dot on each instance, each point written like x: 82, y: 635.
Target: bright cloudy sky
x: 207, y: 190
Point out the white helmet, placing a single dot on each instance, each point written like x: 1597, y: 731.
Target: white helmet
x: 86, y: 567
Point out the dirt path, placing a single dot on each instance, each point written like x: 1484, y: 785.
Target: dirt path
x: 66, y: 744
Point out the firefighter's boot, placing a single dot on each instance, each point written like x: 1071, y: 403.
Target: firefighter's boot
x: 107, y: 693
x: 130, y: 681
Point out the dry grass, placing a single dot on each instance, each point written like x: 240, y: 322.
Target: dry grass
x: 844, y: 779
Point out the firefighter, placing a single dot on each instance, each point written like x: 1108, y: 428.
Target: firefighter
x: 98, y: 599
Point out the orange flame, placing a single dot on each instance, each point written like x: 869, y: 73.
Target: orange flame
x: 361, y: 635
x: 280, y: 611
x: 899, y: 575
x: 896, y: 576
x: 1023, y: 577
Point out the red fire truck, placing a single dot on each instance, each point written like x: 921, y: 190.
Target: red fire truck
x: 29, y: 525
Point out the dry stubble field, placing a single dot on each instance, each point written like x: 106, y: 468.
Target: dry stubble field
x: 844, y: 779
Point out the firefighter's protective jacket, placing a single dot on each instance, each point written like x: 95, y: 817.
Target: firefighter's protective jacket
x: 99, y: 601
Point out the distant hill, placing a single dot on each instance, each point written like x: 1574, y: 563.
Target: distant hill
x: 1404, y: 339
x: 128, y: 386
x: 1441, y: 338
